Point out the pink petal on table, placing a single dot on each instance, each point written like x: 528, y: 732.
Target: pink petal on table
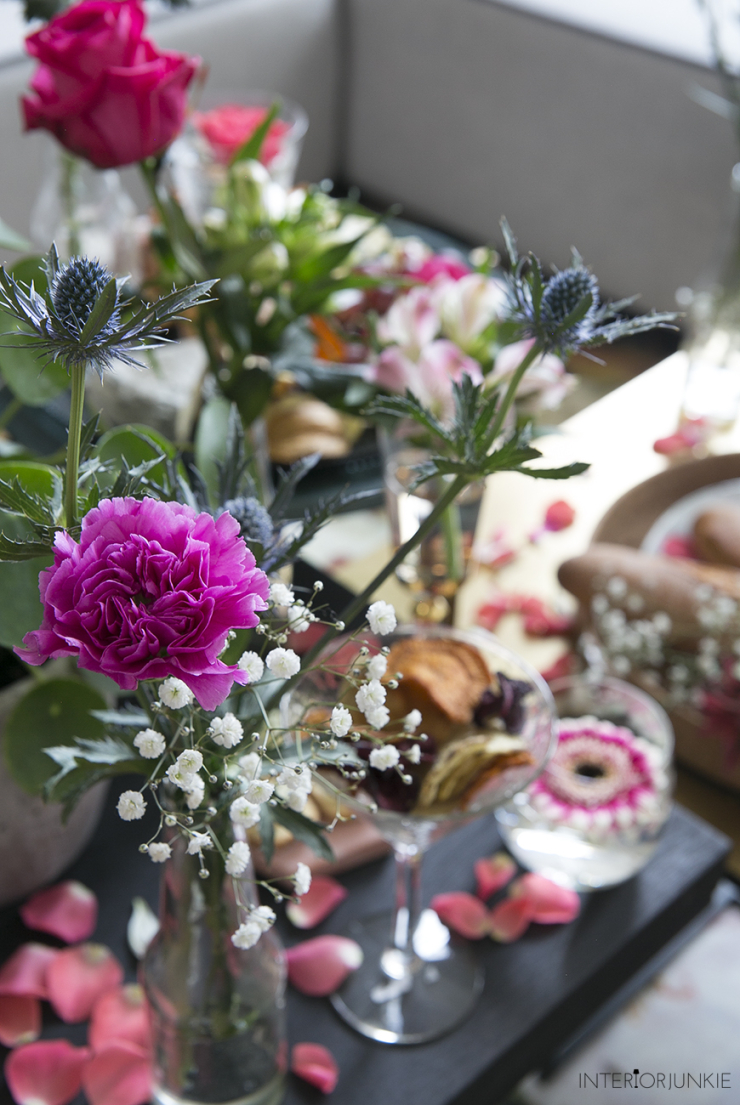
x: 463, y: 913
x: 559, y: 516
x: 120, y: 1015
x: 77, y: 978
x: 68, y: 910
x: 315, y: 1064
x: 48, y: 1072
x: 119, y: 1074
x: 548, y: 903
x: 318, y: 966
x: 509, y: 920
x: 25, y: 972
x: 321, y: 899
x: 493, y: 872
x: 20, y: 1019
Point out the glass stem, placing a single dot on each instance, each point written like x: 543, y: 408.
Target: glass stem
x: 407, y: 909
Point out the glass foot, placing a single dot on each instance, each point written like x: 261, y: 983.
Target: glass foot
x: 382, y: 1000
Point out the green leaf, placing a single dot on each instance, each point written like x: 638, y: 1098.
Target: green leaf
x: 16, y: 551
x: 103, y: 308
x: 20, y: 605
x: 24, y: 371
x: 563, y: 473
x: 10, y: 239
x: 211, y: 438
x: 135, y: 445
x: 308, y: 832
x: 252, y: 148
x: 127, y: 717
x: 57, y: 710
x: 18, y: 501
x: 39, y: 480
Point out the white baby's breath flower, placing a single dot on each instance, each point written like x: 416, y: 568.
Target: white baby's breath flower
x: 131, y: 806
x: 381, y: 618
x: 150, y: 743
x: 383, y: 758
x: 295, y: 778
x: 195, y: 793
x: 341, y: 721
x: 300, y: 618
x: 414, y: 754
x: 302, y: 879
x: 262, y: 916
x: 250, y: 765
x: 246, y: 936
x: 296, y: 800
x: 378, y: 717
x: 252, y: 664
x: 159, y: 852
x: 226, y: 731
x: 182, y: 779
x: 190, y: 761
x: 283, y: 662
x: 370, y: 696
x: 412, y: 721
x: 376, y: 666
x: 258, y: 791
x: 281, y: 595
x: 237, y: 858
x: 198, y: 843
x: 616, y: 588
x: 244, y: 813
x: 175, y: 694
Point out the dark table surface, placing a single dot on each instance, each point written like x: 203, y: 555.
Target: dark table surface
x: 538, y: 992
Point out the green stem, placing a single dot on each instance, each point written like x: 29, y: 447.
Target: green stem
x: 73, y: 445
x: 10, y: 412
x: 452, y: 534
x: 511, y: 390
x: 70, y: 172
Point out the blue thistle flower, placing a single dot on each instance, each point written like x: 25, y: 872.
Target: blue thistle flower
x: 253, y: 518
x: 562, y: 295
x: 74, y: 292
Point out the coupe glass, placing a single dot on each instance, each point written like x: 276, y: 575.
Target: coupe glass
x: 416, y: 981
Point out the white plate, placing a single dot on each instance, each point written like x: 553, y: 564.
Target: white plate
x: 679, y: 519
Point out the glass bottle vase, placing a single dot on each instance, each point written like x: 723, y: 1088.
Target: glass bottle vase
x: 217, y: 1011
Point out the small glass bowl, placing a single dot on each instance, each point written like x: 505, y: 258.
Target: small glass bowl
x: 594, y: 817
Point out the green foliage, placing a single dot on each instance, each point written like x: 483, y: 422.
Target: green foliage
x: 57, y: 709
x: 86, y: 762
x: 308, y: 832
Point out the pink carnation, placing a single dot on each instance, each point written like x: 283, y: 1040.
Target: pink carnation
x: 151, y: 590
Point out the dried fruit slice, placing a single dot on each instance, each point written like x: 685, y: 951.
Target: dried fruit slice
x: 447, y: 675
x: 465, y: 766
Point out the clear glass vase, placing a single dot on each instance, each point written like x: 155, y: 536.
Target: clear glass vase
x: 218, y: 1012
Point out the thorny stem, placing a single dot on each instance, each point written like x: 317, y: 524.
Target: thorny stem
x: 73, y: 445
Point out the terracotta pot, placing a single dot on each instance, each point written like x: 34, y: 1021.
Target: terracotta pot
x: 35, y: 844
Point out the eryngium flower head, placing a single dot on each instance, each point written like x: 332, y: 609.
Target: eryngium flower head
x: 254, y: 520
x: 151, y: 591
x: 562, y: 295
x: 79, y: 319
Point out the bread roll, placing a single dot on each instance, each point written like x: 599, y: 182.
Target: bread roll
x: 717, y: 535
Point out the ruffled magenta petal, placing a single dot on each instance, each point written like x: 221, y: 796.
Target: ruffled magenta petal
x: 20, y: 1019
x: 25, y: 972
x: 548, y: 903
x: 120, y: 1015
x: 48, y: 1072
x: 78, y: 977
x: 68, y: 910
x: 318, y: 966
x: 119, y: 1074
x: 321, y: 899
x: 463, y: 913
x: 492, y: 873
x: 509, y: 920
x: 315, y: 1064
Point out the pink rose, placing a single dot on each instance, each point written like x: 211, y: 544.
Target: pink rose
x: 228, y: 127
x: 151, y: 590
x: 105, y: 92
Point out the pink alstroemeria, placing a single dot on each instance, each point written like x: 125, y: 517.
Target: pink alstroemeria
x: 463, y: 913
x: 545, y: 383
x: 548, y: 903
x: 315, y: 1064
x: 68, y: 910
x: 47, y: 1072
x: 492, y: 873
x: 411, y: 322
x: 25, y: 973
x: 118, y: 1074
x: 430, y: 376
x: 468, y: 306
x: 321, y: 899
x: 120, y: 1015
x: 318, y: 966
x: 20, y: 1019
x: 78, y: 977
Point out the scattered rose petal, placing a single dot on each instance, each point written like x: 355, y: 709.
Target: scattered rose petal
x: 548, y: 903
x: 120, y: 1015
x: 559, y: 516
x: 143, y: 926
x: 463, y: 913
x: 68, y: 910
x: 680, y: 547
x: 492, y: 611
x: 321, y: 899
x: 509, y: 920
x: 119, y: 1074
x: 25, y: 971
x: 692, y: 432
x: 318, y: 966
x: 77, y: 978
x: 564, y: 665
x: 541, y: 621
x: 493, y: 872
x: 495, y: 552
x: 20, y: 1019
x: 315, y: 1064
x: 48, y: 1072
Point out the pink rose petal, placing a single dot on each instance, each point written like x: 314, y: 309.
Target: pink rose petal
x: 78, y: 977
x: 20, y: 1019
x: 559, y: 515
x: 68, y: 910
x: 120, y: 1015
x: 318, y: 966
x: 48, y: 1072
x: 548, y: 903
x: 509, y: 919
x: 25, y: 972
x: 463, y: 913
x: 493, y: 872
x: 119, y: 1074
x: 315, y: 1064
x: 321, y: 899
